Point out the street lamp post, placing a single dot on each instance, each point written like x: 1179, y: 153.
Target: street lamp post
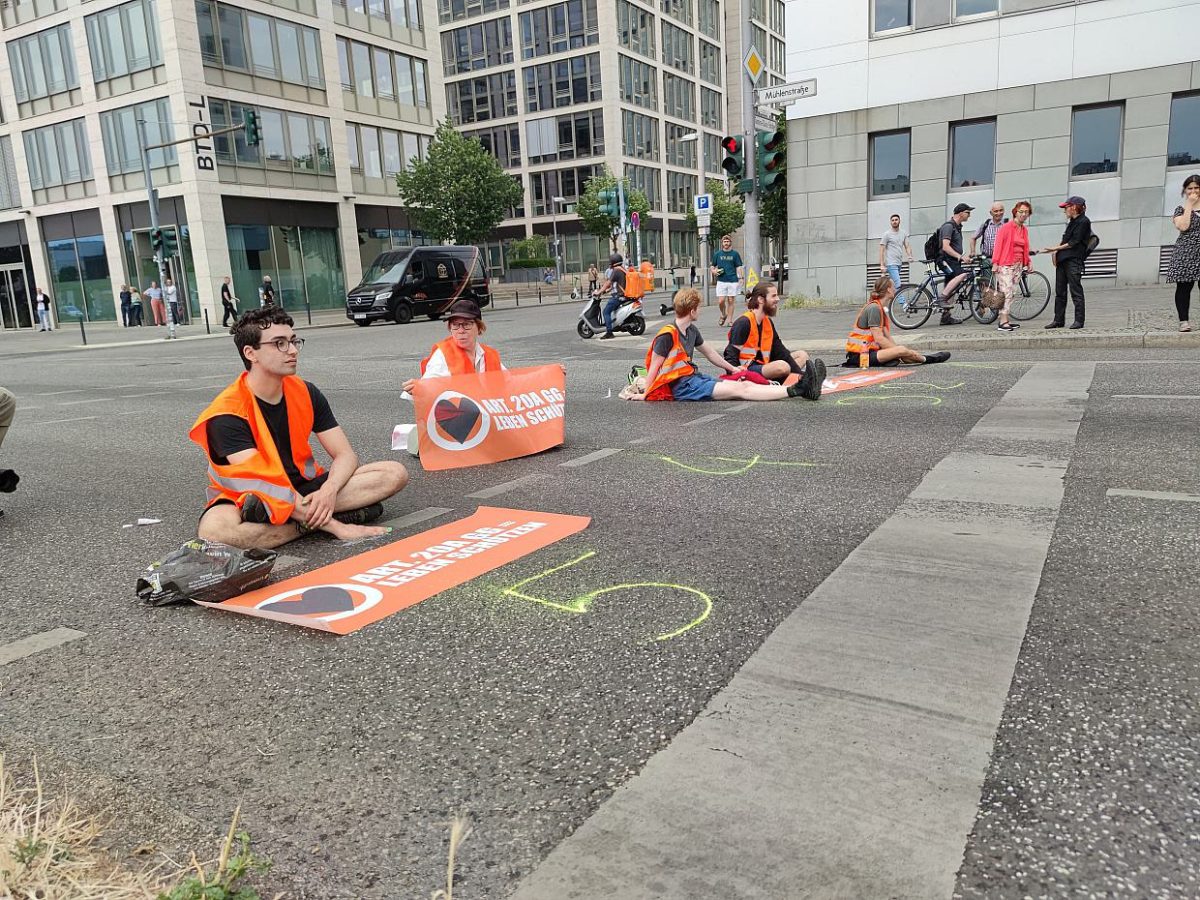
x: 703, y: 232
x: 558, y: 267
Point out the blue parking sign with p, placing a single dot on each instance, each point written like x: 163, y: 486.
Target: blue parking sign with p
x: 703, y: 203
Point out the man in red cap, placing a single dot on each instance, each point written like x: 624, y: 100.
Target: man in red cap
x: 1068, y: 259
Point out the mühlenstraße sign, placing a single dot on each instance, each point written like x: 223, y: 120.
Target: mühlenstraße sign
x: 783, y: 94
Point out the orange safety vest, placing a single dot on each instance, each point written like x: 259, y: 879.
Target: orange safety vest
x: 262, y: 474
x: 861, y: 340
x: 459, y: 362
x: 675, y: 367
x: 757, y: 342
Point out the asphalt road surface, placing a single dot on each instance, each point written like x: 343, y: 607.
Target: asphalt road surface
x: 1075, y: 772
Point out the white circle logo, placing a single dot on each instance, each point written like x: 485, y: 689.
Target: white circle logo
x: 456, y: 422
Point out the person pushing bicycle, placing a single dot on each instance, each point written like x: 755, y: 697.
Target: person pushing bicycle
x: 951, y: 259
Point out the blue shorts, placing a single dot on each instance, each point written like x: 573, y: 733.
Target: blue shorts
x: 697, y: 386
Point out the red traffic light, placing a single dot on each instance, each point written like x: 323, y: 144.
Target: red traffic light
x: 731, y: 143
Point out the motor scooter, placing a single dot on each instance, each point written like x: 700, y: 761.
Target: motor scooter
x: 627, y: 317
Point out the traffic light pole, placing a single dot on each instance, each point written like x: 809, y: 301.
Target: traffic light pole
x: 152, y: 198
x: 752, y: 240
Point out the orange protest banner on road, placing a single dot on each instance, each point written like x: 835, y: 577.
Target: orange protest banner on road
x: 345, y: 596
x: 861, y: 379
x: 470, y: 420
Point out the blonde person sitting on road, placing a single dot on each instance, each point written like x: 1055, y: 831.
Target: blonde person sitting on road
x: 871, y: 335
x: 670, y: 374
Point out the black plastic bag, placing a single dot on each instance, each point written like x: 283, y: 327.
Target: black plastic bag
x: 205, y: 571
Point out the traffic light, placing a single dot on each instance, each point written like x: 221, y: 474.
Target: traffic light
x: 610, y: 203
x: 156, y: 241
x: 734, y: 163
x: 170, y: 242
x: 253, y: 128
x: 770, y: 160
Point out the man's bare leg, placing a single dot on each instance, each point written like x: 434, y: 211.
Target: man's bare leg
x: 223, y: 523
x: 745, y: 390
x: 371, y: 483
x: 904, y: 354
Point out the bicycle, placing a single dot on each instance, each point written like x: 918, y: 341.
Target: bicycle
x: 914, y: 303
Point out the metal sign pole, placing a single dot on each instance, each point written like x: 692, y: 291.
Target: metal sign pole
x: 152, y: 197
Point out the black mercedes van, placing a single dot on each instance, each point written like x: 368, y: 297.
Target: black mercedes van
x: 418, y: 281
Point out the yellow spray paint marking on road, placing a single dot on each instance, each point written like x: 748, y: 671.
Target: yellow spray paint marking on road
x: 908, y: 384
x: 583, y: 603
x: 746, y: 464
x: 850, y: 401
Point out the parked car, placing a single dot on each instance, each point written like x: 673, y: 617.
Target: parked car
x: 772, y: 269
x: 414, y: 281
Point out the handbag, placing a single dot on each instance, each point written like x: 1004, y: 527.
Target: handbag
x: 990, y: 298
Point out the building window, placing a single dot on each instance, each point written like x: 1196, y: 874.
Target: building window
x: 503, y: 142
x: 457, y: 10
x: 965, y: 8
x: 677, y: 48
x: 58, y: 154
x: 1183, y: 139
x: 231, y: 38
x: 405, y: 13
x: 43, y: 64
x: 891, y: 14
x: 639, y: 135
x: 123, y: 39
x: 573, y: 136
x: 890, y: 158
x: 478, y: 46
x: 680, y: 9
x: 710, y: 18
x: 639, y: 83
x: 563, y: 83
x: 565, y: 183
x: 972, y: 154
x: 290, y: 141
x: 713, y: 155
x: 777, y: 16
x: 482, y: 99
x: 10, y: 192
x: 123, y: 143
x: 679, y: 98
x: 680, y: 152
x: 710, y: 63
x: 1096, y: 140
x: 381, y: 152
x: 777, y: 55
x: 369, y: 71
x: 710, y: 108
x: 635, y: 26
x: 645, y: 180
x: 558, y: 28
x: 680, y: 190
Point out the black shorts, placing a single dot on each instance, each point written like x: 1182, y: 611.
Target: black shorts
x: 852, y: 361
x: 951, y: 268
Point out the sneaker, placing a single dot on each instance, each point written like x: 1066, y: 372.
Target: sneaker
x: 1006, y: 326
x: 948, y: 319
x: 607, y: 336
x: 1184, y: 326
x: 1054, y: 325
x: 822, y: 371
x: 360, y: 516
x: 8, y: 481
x: 1075, y: 325
x: 809, y: 386
x: 254, y: 510
x: 939, y: 357
x: 1015, y: 324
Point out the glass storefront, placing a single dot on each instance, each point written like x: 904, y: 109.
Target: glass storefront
x: 79, y: 279
x: 305, y: 265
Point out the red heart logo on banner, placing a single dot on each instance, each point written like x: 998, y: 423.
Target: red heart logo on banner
x: 457, y: 419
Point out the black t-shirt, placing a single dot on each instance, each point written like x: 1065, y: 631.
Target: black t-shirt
x: 1079, y: 230
x: 225, y: 295
x: 231, y: 434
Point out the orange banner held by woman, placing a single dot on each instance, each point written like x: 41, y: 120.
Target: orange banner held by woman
x: 474, y: 419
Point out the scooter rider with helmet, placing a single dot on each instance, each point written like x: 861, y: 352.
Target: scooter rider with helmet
x: 614, y: 280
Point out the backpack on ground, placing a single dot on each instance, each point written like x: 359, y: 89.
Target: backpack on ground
x: 933, y: 244
x: 635, y: 287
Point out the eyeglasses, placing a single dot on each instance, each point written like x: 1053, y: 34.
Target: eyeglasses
x: 462, y: 324
x: 283, y: 344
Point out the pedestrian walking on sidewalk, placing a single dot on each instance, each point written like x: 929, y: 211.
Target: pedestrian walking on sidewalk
x: 266, y: 293
x: 228, y: 303
x: 1010, y: 257
x: 1068, y: 259
x: 43, y: 311
x: 1184, y: 268
x: 894, y: 249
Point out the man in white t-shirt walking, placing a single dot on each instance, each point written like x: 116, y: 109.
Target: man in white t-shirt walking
x: 894, y: 250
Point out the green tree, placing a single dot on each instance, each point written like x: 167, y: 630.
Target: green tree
x: 588, y: 205
x: 728, y: 213
x: 772, y: 211
x: 458, y: 193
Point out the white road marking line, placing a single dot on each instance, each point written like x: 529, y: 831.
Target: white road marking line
x: 89, y: 400
x: 121, y: 387
x: 590, y: 458
x: 497, y: 489
x: 1155, y: 495
x: 415, y: 518
x: 61, y: 421
x: 642, y: 440
x: 27, y: 408
x: 712, y: 417
x: 56, y: 393
x: 738, y: 406
x: 147, y: 394
x: 36, y: 643
x: 1156, y: 397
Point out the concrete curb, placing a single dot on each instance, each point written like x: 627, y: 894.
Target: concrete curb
x: 1140, y: 340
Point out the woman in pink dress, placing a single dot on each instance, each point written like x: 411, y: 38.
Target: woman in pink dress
x: 1011, y: 257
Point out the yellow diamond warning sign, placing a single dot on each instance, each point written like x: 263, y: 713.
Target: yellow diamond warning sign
x: 754, y: 65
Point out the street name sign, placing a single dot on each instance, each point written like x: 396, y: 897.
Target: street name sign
x: 783, y: 94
